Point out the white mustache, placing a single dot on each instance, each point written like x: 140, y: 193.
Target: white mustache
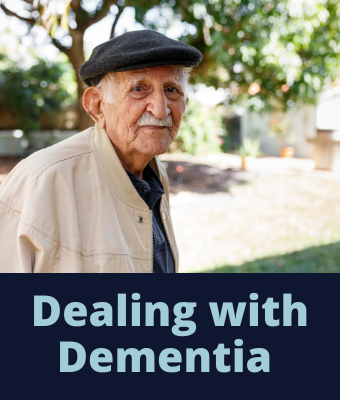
x: 148, y: 119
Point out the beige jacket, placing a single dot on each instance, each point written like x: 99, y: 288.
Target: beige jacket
x: 73, y: 208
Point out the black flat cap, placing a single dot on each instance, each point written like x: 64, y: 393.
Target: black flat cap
x: 136, y: 50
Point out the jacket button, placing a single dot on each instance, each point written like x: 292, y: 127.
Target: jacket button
x: 140, y: 219
x: 163, y: 215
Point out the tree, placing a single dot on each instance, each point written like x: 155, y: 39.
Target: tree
x: 66, y: 22
x: 265, y: 53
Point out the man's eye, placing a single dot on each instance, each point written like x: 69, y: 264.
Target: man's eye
x: 171, y: 90
x: 137, y: 89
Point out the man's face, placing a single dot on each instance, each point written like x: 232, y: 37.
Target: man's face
x: 155, y: 92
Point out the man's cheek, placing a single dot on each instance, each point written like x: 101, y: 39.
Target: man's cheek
x: 134, y: 111
x: 173, y: 133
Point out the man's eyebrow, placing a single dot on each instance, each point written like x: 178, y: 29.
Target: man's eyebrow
x: 177, y: 81
x: 173, y: 80
x: 134, y: 79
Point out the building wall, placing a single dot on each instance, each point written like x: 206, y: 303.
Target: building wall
x: 302, y: 130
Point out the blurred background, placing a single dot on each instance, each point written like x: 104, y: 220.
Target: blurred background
x: 254, y: 172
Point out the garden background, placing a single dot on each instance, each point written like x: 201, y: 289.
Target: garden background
x: 268, y: 86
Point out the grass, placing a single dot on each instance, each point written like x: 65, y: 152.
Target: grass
x: 314, y: 259
x: 277, y: 223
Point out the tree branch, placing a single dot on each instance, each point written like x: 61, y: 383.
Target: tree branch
x: 60, y: 47
x: 10, y: 13
x: 98, y: 16
x: 120, y: 11
x: 28, y: 1
x: 75, y: 4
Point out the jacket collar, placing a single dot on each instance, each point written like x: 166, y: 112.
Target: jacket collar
x: 114, y: 170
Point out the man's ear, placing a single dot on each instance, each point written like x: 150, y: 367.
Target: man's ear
x: 93, y: 106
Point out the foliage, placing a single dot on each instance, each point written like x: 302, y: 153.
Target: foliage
x: 62, y: 18
x: 250, y: 147
x: 201, y: 129
x: 65, y: 15
x: 66, y: 21
x: 265, y: 53
x: 36, y: 93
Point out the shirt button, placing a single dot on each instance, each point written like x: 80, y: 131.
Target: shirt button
x: 140, y: 219
x: 145, y: 189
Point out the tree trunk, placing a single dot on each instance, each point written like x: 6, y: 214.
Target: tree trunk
x: 77, y: 58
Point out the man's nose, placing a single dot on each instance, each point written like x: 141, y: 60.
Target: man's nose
x: 158, y: 105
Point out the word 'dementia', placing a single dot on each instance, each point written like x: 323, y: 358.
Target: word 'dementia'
x: 99, y: 359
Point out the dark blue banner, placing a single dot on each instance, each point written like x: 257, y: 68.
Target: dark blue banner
x: 189, y: 336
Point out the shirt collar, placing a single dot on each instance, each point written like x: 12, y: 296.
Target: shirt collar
x: 150, y: 189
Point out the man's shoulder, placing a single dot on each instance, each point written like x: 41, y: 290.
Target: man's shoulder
x: 43, y: 161
x: 80, y: 143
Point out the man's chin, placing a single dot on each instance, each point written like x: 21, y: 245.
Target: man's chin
x: 154, y: 147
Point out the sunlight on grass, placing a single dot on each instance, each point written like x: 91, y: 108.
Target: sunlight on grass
x: 274, y: 224
x: 314, y: 259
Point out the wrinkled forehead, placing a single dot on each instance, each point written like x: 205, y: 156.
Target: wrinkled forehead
x: 168, y: 73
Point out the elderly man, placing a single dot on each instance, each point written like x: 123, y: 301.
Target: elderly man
x: 99, y: 201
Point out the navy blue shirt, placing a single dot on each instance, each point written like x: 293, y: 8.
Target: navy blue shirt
x: 151, y: 191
